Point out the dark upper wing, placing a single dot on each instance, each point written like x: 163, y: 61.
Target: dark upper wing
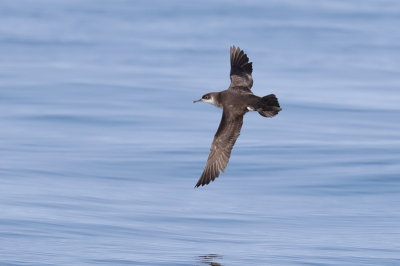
x: 221, y: 147
x: 241, y: 70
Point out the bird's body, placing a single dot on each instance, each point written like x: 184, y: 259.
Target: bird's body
x: 236, y: 101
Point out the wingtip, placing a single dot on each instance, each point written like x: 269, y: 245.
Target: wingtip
x: 202, y: 182
x: 199, y: 183
x: 234, y: 47
x: 240, y: 59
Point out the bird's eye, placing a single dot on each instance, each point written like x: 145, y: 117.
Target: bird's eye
x: 206, y: 97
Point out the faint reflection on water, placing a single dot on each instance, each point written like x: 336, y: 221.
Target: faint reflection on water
x: 209, y: 259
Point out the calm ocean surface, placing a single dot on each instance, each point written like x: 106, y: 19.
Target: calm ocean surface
x: 101, y: 145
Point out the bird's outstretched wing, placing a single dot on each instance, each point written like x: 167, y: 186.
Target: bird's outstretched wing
x: 221, y: 147
x: 241, y: 70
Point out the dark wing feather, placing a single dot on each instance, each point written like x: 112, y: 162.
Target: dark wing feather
x: 221, y: 147
x: 241, y: 70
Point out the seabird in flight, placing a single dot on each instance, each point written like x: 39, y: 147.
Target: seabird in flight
x: 235, y: 102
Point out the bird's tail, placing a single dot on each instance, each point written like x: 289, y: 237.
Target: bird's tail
x: 268, y: 106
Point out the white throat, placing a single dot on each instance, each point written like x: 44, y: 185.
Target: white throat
x: 211, y: 101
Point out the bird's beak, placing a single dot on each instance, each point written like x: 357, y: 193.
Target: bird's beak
x: 199, y: 100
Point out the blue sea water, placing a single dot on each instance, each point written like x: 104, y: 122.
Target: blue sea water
x: 101, y: 145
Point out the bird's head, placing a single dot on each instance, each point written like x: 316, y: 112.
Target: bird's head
x: 208, y: 98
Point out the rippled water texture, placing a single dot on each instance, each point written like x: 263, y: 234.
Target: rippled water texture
x: 101, y: 145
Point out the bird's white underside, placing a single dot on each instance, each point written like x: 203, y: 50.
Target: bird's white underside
x: 211, y: 101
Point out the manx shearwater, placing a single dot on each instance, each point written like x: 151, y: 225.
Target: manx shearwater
x: 235, y: 102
